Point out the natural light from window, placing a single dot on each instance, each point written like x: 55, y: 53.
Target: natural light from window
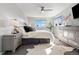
x: 40, y: 23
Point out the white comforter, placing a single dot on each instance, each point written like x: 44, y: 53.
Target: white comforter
x: 39, y: 34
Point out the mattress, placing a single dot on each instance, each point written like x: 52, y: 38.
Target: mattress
x: 38, y: 34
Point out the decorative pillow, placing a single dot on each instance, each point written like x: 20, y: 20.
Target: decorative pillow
x: 28, y: 28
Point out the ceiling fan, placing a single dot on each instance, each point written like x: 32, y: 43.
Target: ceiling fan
x: 43, y: 9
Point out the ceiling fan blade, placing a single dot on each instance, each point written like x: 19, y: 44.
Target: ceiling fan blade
x: 48, y: 9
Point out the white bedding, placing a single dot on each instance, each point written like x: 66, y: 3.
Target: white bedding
x: 39, y: 34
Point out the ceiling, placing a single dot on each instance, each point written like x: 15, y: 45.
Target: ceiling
x: 34, y: 9
x: 23, y: 10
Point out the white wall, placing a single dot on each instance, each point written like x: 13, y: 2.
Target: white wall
x: 31, y: 23
x: 67, y: 15
x: 74, y: 22
x: 10, y: 12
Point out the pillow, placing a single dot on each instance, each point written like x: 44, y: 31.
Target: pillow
x: 28, y: 28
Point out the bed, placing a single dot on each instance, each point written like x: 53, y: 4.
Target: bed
x: 38, y: 34
x: 36, y: 37
x: 33, y: 33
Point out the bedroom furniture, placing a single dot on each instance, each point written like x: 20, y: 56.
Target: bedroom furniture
x: 11, y: 42
x: 68, y: 34
x: 37, y: 37
x: 26, y: 40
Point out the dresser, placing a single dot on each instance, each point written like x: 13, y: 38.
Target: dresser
x: 11, y: 42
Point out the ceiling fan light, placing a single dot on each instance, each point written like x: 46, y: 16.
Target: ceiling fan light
x: 42, y: 11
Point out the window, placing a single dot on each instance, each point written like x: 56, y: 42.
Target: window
x: 40, y: 23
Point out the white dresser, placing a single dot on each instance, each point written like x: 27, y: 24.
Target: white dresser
x: 11, y: 42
